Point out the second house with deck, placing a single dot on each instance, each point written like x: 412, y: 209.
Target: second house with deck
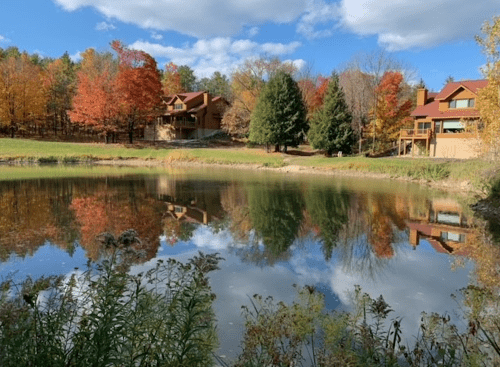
x: 440, y: 120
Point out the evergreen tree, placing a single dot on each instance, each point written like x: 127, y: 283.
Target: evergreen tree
x: 279, y: 116
x: 330, y: 128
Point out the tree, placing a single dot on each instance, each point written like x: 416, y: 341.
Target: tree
x: 61, y: 84
x: 217, y: 85
x: 23, y: 94
x: 171, y: 81
x: 95, y: 104
x: 279, y: 117
x: 488, y: 101
x: 330, y: 128
x: 247, y: 83
x: 391, y: 112
x: 139, y: 87
x: 187, y: 78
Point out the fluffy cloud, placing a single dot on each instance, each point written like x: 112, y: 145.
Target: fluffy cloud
x: 403, y: 24
x: 156, y: 36
x: 217, y: 54
x: 103, y: 26
x: 200, y: 18
x: 77, y: 56
x: 3, y: 39
x: 318, y: 12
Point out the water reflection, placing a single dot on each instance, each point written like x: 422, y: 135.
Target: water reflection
x: 265, y: 217
x: 273, y: 230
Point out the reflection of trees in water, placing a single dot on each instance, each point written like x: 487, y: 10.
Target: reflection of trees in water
x: 328, y: 212
x: 33, y: 212
x: 114, y: 207
x: 276, y: 215
x: 374, y: 228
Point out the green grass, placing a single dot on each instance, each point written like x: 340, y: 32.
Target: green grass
x: 476, y: 171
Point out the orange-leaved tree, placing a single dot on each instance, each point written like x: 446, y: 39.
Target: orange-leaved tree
x: 95, y: 104
x: 139, y: 87
x: 390, y: 113
x: 172, y: 80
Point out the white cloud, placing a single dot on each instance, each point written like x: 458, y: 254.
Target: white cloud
x: 202, y: 18
x: 156, y: 36
x: 318, y: 12
x: 77, y: 56
x: 252, y: 32
x: 103, y: 26
x: 217, y: 54
x: 4, y: 39
x: 404, y: 24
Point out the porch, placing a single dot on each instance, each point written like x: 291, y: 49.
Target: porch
x: 412, y: 135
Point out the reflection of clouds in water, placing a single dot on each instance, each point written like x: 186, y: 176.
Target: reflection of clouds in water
x: 419, y: 281
x: 411, y: 282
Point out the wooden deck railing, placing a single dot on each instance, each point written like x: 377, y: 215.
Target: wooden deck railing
x: 415, y: 133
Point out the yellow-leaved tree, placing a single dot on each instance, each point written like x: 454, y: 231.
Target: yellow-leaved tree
x: 23, y: 95
x: 488, y: 101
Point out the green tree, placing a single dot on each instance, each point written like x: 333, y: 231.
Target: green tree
x: 188, y: 79
x: 279, y: 117
x: 331, y: 125
x: 217, y: 85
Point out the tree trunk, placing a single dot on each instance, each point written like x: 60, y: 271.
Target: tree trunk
x: 285, y: 148
x: 277, y: 148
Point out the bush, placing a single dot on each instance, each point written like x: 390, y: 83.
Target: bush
x: 108, y: 317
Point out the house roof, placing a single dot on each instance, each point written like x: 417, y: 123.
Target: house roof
x: 184, y: 97
x: 472, y: 85
x: 431, y: 108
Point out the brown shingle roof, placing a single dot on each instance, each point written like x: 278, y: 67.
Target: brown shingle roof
x: 431, y: 108
x: 184, y: 97
x: 472, y: 85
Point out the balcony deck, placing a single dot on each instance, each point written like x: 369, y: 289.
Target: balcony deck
x: 414, y: 134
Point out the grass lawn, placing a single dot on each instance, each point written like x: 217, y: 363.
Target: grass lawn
x: 475, y: 171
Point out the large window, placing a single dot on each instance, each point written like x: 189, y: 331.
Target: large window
x: 452, y: 126
x: 178, y: 106
x: 461, y: 103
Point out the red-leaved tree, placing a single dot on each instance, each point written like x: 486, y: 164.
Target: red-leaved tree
x: 138, y: 85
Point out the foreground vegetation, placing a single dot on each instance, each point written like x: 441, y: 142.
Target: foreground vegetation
x: 112, y: 316
x: 476, y: 171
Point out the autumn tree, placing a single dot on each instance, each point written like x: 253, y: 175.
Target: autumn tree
x: 95, y: 104
x: 279, y: 118
x: 171, y: 82
x: 313, y: 92
x: 391, y: 112
x: 330, y: 127
x: 23, y: 95
x: 360, y: 80
x: 138, y: 86
x: 247, y: 83
x: 488, y: 101
x: 61, y: 85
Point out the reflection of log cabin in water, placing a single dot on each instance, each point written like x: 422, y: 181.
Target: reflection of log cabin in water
x: 443, y: 225
x: 189, y: 213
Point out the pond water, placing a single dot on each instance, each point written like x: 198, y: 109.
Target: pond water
x: 400, y: 240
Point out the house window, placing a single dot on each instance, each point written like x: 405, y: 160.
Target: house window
x: 461, y: 103
x: 424, y: 125
x: 452, y: 126
x: 178, y: 106
x: 438, y: 127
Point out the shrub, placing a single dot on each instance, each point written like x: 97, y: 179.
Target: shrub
x: 109, y: 317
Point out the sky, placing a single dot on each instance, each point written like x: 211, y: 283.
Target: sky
x: 435, y: 38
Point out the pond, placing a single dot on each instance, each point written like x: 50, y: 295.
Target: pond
x: 404, y: 241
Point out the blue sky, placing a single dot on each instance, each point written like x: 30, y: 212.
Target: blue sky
x: 435, y: 37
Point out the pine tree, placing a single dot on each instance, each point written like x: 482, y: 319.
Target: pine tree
x: 279, y: 116
x: 331, y: 125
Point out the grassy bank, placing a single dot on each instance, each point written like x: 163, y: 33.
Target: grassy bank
x: 477, y: 172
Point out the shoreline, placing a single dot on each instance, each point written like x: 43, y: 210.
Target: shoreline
x: 464, y: 187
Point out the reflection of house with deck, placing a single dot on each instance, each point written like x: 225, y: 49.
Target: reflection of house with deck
x: 187, y: 116
x: 439, y: 129
x: 443, y: 225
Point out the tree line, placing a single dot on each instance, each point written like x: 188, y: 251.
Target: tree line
x: 112, y: 93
